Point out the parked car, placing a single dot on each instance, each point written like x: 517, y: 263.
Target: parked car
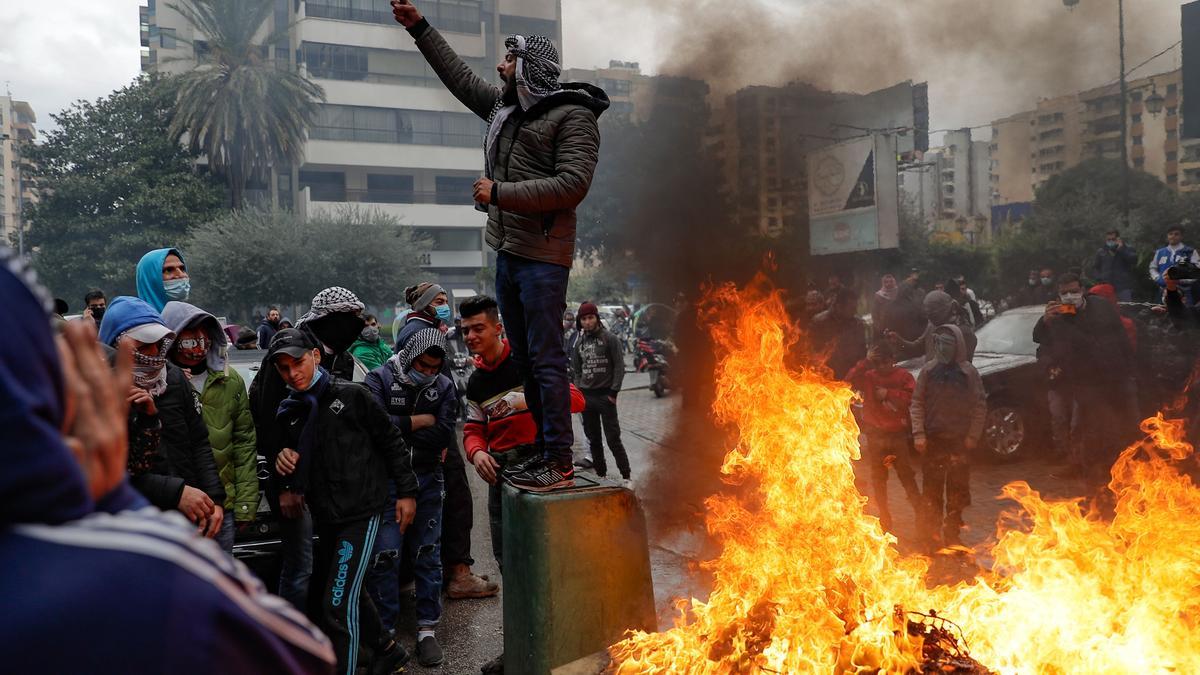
x: 1018, y: 416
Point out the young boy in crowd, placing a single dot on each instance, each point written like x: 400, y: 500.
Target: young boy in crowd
x: 886, y: 393
x: 599, y: 368
x: 948, y: 411
x: 339, y: 452
x: 422, y: 404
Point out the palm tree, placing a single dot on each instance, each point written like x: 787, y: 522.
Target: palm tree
x: 245, y: 114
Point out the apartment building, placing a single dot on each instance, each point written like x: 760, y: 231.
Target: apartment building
x: 389, y: 135
x: 17, y: 130
x: 636, y: 97
x: 949, y: 189
x: 1069, y: 129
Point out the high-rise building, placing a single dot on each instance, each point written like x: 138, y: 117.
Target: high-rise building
x: 1066, y: 130
x: 950, y: 190
x: 635, y: 96
x: 389, y: 135
x: 17, y: 131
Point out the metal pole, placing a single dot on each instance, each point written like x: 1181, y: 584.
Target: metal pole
x: 1125, y: 173
x: 20, y: 200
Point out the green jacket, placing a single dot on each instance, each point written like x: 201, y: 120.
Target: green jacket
x: 370, y: 354
x: 226, y: 412
x: 545, y: 156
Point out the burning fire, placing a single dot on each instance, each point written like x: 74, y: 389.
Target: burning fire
x: 808, y: 582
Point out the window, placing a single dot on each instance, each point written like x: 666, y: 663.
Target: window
x: 455, y: 190
x: 335, y: 62
x: 1172, y: 156
x: 389, y: 189
x: 459, y: 16
x: 1139, y: 163
x: 1172, y: 134
x: 346, y: 62
x: 324, y: 186
x: 1137, y: 118
x: 1137, y: 140
x: 1172, y: 111
x: 616, y: 87
x: 523, y: 25
x: 451, y: 239
x: 389, y: 125
x: 1172, y: 89
x: 1172, y: 178
x: 166, y: 38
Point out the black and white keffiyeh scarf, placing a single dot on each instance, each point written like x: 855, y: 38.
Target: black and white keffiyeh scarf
x: 331, y: 300
x: 537, y: 72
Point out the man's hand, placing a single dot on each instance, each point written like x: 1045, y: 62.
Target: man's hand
x: 485, y: 466
x: 406, y: 510
x: 483, y: 190
x: 286, y: 461
x: 919, y: 445
x: 406, y: 15
x: 291, y: 504
x: 139, y: 399
x: 195, y: 504
x: 212, y: 525
x: 1053, y: 309
x: 423, y: 421
x: 95, y: 425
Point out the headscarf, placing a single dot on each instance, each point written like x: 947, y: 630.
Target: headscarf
x: 180, y: 316
x: 332, y: 300
x: 537, y: 71
x: 41, y: 482
x: 149, y: 277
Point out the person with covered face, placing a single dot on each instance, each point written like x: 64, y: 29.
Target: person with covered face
x: 949, y: 407
x: 343, y: 460
x: 423, y: 405
x: 540, y: 152
x: 430, y: 309
x: 162, y: 276
x: 199, y: 350
x: 170, y: 460
x: 1088, y: 358
x: 369, y: 348
x: 334, y: 321
x: 940, y: 310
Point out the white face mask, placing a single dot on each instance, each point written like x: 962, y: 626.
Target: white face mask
x: 1075, y: 299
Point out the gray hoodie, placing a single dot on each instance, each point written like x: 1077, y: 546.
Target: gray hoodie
x: 949, y: 400
x: 181, y: 315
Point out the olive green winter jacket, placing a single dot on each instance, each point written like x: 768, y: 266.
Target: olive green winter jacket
x: 231, y: 433
x: 545, y: 156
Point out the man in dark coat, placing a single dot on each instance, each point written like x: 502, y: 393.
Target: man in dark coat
x: 540, y: 153
x: 1114, y: 265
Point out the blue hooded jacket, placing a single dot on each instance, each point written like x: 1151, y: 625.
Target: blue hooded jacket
x: 149, y: 277
x: 115, y: 576
x: 124, y: 313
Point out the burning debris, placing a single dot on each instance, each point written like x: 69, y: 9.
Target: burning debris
x: 806, y: 581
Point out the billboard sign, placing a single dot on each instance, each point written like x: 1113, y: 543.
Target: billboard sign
x: 853, y: 196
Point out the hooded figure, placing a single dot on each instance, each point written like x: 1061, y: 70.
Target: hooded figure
x: 940, y: 310
x: 139, y: 562
x: 226, y: 406
x: 335, y: 319
x: 150, y: 284
x: 136, y: 318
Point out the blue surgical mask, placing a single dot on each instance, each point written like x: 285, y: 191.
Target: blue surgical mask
x: 316, y: 376
x: 178, y: 289
x: 444, y: 313
x: 420, y: 379
x: 1110, y: 244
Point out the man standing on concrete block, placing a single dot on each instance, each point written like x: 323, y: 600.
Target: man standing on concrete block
x: 540, y: 153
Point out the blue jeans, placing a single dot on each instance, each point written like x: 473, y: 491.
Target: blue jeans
x: 224, y: 537
x: 296, y: 555
x: 532, y: 297
x: 422, y: 540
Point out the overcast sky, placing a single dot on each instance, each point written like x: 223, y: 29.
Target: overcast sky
x: 56, y: 51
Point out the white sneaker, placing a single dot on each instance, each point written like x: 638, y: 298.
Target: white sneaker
x: 627, y: 483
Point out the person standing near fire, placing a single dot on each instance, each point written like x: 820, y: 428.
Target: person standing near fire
x: 599, y: 371
x: 948, y: 410
x: 541, y: 148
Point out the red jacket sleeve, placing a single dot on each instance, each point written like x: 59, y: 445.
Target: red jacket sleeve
x: 902, y: 395
x: 474, y: 438
x: 577, y: 400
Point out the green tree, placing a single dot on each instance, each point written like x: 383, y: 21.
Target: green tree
x: 254, y: 257
x: 115, y: 184
x: 245, y: 114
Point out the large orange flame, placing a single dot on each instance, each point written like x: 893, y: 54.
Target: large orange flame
x: 806, y: 581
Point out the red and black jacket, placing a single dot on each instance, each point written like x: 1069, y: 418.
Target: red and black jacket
x: 492, y: 424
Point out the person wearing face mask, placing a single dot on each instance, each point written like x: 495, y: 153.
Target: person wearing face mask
x: 369, y: 349
x: 1088, y: 358
x: 1114, y: 265
x: 94, y: 306
x: 430, y: 309
x: 170, y: 460
x: 423, y: 405
x: 334, y: 321
x: 940, y: 310
x: 162, y: 277
x: 949, y: 407
x: 200, y: 352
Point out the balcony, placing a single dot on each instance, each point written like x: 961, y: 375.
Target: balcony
x: 428, y: 212
x: 455, y: 17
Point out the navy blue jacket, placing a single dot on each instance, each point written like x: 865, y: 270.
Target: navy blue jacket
x: 402, y: 398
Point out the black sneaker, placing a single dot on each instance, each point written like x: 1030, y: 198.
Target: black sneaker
x: 389, y: 660
x: 521, y: 466
x: 584, y: 463
x: 429, y: 652
x: 493, y: 667
x: 544, y: 477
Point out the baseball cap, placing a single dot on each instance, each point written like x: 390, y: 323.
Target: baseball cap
x: 291, y: 341
x: 149, y: 333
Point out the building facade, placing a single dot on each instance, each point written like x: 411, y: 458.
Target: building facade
x: 17, y: 131
x: 1067, y: 130
x: 949, y: 190
x: 389, y: 136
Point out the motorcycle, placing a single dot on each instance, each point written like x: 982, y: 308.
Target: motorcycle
x: 654, y: 356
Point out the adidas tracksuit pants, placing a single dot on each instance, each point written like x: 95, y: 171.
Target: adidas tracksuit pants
x: 337, y: 603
